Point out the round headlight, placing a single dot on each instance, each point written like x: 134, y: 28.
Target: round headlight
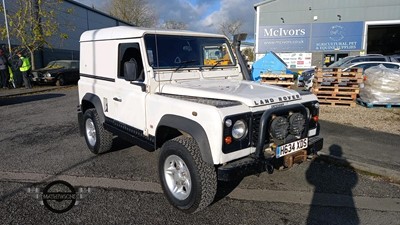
x: 48, y: 74
x: 279, y: 128
x: 297, y: 122
x: 239, y: 129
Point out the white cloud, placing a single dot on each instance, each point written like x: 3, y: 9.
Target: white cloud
x: 201, y: 15
x: 206, y: 16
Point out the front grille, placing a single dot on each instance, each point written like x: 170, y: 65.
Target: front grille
x: 255, y: 129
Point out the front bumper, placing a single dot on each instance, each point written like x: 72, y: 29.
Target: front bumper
x: 44, y: 79
x: 254, y: 164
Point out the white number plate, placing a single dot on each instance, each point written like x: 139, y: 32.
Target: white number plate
x: 291, y: 147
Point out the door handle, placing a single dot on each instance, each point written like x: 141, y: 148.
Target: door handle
x: 117, y: 99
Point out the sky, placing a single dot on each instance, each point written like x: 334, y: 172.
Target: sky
x: 200, y: 15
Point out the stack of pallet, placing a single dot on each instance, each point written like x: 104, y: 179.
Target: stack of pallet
x: 283, y: 80
x: 335, y: 87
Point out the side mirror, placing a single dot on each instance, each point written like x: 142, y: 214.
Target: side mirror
x: 130, y: 70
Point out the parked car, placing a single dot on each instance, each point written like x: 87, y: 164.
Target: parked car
x: 366, y: 65
x: 58, y: 72
x: 305, y: 79
x: 308, y: 78
x: 397, y: 57
x: 364, y: 58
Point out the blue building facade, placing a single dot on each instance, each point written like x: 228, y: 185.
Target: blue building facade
x: 328, y: 30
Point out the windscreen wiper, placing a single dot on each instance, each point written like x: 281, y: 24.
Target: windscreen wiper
x: 184, y: 63
x: 217, y: 63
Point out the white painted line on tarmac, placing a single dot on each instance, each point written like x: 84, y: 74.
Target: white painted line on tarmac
x: 297, y: 197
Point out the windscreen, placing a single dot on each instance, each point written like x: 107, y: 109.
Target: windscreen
x: 58, y: 64
x: 169, y: 51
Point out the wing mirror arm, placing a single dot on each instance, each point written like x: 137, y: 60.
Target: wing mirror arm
x: 140, y: 84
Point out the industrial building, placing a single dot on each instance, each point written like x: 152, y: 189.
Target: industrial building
x: 308, y: 33
x: 73, y: 18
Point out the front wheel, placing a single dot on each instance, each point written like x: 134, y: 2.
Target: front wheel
x: 188, y: 182
x: 98, y: 139
x: 60, y: 81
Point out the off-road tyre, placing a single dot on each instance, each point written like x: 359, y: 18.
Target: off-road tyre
x: 202, y: 175
x: 97, y: 138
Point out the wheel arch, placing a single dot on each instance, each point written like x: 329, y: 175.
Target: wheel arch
x: 93, y: 101
x: 177, y: 125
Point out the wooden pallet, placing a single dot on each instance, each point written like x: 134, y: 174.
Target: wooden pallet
x: 282, y: 80
x: 337, y: 84
x: 336, y: 96
x: 337, y: 69
x: 377, y: 104
x: 338, y: 73
x: 336, y: 89
x: 338, y: 80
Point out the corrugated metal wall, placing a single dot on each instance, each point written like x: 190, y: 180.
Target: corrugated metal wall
x: 304, y: 11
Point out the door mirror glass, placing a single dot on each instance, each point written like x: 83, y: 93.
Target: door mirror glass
x: 130, y: 70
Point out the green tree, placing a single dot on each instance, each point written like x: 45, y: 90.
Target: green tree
x: 32, y: 23
x: 136, y: 12
x: 249, y: 54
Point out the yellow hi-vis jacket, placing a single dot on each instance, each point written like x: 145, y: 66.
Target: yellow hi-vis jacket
x: 26, y: 65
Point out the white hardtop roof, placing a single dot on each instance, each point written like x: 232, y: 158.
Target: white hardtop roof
x: 123, y: 32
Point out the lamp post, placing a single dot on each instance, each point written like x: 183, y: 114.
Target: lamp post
x: 8, y: 34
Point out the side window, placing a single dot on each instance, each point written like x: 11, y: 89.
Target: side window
x: 74, y: 65
x: 217, y: 54
x: 369, y: 65
x: 377, y: 59
x: 356, y: 60
x: 391, y: 66
x: 126, y: 52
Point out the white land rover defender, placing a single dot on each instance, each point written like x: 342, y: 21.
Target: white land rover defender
x: 190, y: 95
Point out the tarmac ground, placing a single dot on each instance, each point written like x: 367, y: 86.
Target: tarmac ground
x: 376, y: 170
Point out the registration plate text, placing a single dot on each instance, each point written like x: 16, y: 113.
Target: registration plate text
x: 291, y: 147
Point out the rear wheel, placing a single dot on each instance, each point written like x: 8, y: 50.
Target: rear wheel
x: 188, y: 182
x: 97, y: 138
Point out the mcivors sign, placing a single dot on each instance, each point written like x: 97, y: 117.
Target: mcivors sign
x: 282, y: 32
x: 346, y: 36
x: 284, y: 38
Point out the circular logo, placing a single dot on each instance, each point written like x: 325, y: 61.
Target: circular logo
x: 59, y: 196
x: 336, y: 33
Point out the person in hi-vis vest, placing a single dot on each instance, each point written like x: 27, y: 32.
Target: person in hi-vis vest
x: 24, y: 66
